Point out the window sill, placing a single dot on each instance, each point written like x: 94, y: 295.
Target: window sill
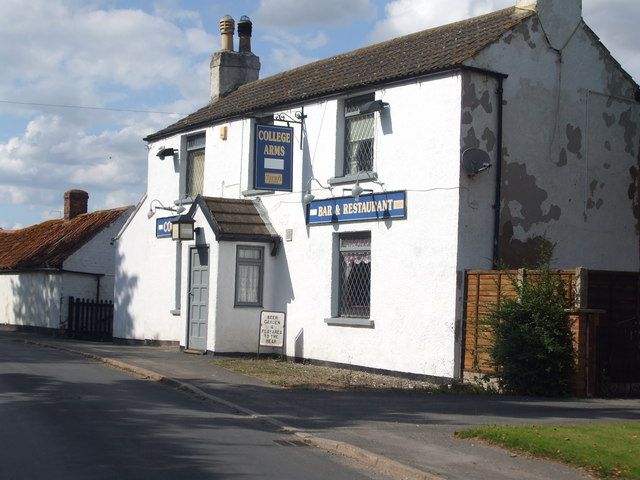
x: 350, y: 322
x: 175, y: 313
x: 353, y: 178
x: 252, y: 192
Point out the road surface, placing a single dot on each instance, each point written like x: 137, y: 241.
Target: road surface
x: 65, y: 417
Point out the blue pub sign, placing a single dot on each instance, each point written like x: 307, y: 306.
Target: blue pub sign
x: 273, y: 158
x: 163, y: 227
x: 375, y: 206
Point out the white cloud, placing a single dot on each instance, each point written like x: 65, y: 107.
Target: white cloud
x: 55, y: 154
x: 289, y: 50
x: 407, y: 16
x: 120, y: 198
x: 78, y: 52
x: 320, y: 39
x: 313, y: 12
x: 289, y: 57
x: 52, y: 50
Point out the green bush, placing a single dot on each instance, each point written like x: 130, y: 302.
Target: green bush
x: 532, y: 348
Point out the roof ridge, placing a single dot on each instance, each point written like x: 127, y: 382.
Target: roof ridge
x: 413, y: 55
x: 382, y: 43
x: 50, y: 243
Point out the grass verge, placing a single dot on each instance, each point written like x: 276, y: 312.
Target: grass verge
x: 610, y: 450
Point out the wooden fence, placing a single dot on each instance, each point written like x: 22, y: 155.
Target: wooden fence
x: 605, y: 323
x: 90, y: 320
x: 483, y: 289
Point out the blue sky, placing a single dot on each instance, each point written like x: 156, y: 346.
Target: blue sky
x: 154, y: 56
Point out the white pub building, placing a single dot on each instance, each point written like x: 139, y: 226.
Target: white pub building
x: 352, y: 193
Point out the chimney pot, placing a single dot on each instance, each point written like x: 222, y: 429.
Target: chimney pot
x: 75, y: 203
x: 229, y: 69
x: 227, y: 27
x: 244, y: 33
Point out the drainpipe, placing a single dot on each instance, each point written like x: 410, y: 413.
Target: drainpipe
x: 498, y: 194
x: 496, y: 213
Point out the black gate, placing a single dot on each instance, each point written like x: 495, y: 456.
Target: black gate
x: 618, y: 354
x: 90, y: 319
x: 618, y: 335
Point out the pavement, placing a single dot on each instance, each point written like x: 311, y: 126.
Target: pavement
x: 406, y: 435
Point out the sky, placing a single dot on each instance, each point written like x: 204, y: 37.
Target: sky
x: 136, y: 66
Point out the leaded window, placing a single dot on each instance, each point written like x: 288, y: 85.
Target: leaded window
x: 355, y: 275
x: 249, y: 273
x: 195, y: 165
x: 359, y: 133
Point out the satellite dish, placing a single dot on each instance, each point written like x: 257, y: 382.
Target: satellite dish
x: 475, y: 161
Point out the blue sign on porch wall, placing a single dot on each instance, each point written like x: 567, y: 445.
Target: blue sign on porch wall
x: 273, y: 158
x: 375, y: 206
x: 163, y: 227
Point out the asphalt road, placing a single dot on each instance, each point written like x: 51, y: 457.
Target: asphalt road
x: 64, y: 417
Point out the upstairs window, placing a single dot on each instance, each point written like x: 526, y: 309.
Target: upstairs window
x: 359, y: 130
x: 194, y: 180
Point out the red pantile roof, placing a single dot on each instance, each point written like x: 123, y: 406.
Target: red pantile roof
x: 49, y: 244
x: 410, y: 56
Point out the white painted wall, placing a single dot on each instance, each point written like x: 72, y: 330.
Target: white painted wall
x: 413, y: 331
x: 237, y: 327
x: 413, y: 260
x: 145, y: 280
x: 97, y: 256
x: 32, y: 298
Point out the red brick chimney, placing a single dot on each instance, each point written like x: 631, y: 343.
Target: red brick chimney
x: 75, y: 203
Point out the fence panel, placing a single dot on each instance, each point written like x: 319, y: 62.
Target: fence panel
x: 483, y: 289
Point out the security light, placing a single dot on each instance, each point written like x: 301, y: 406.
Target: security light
x: 357, y: 190
x: 309, y: 197
x: 166, y: 152
x: 152, y: 210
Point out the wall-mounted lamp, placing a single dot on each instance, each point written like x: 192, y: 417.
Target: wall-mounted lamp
x: 165, y: 152
x: 179, y: 209
x: 356, y: 190
x: 182, y: 228
x: 309, y: 197
x: 375, y: 106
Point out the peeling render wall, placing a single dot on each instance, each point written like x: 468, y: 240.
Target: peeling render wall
x: 571, y: 142
x: 478, y: 129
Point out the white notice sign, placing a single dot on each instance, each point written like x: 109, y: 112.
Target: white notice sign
x: 272, y: 329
